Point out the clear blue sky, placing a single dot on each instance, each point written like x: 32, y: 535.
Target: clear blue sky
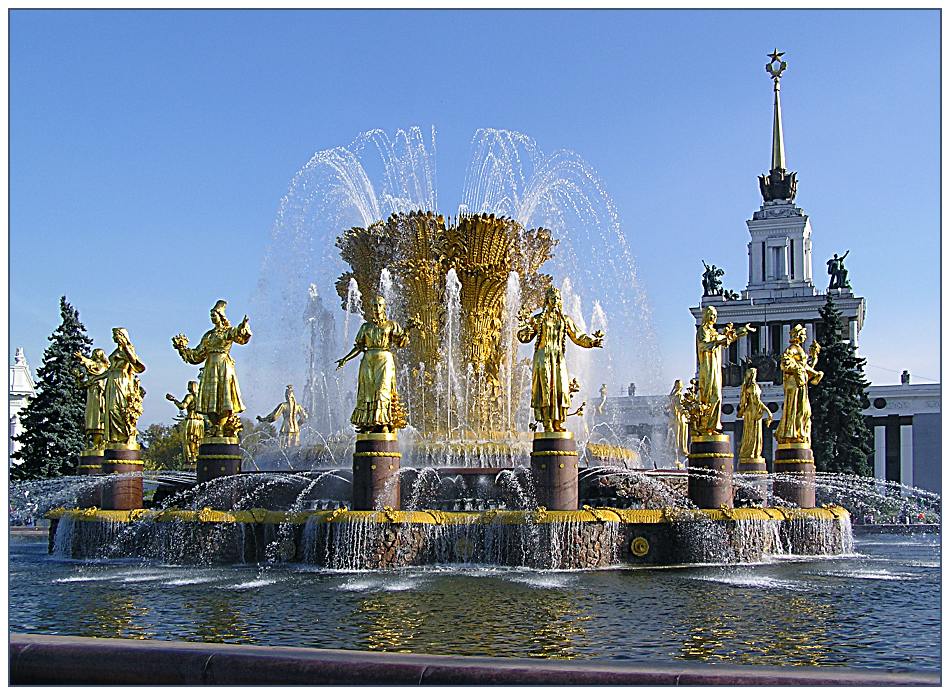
x: 142, y: 143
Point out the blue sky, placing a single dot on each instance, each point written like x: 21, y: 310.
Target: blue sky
x: 144, y: 143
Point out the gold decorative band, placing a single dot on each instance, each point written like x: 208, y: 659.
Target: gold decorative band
x: 712, y: 455
x: 231, y: 457
x: 794, y: 445
x: 781, y: 462
x: 126, y: 462
x: 372, y: 454
x: 710, y: 438
x: 554, y: 435
x: 376, y: 436
x: 554, y: 453
x: 753, y: 472
x: 92, y: 465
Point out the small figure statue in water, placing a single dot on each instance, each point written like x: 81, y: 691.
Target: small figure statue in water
x: 377, y: 407
x: 751, y: 409
x: 293, y: 413
x: 550, y: 386
x: 679, y: 423
x: 194, y: 429
x: 838, y: 273
x: 94, y: 382
x: 798, y: 370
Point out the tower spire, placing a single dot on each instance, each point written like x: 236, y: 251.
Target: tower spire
x: 779, y: 184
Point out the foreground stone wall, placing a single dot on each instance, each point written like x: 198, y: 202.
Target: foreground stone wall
x: 584, y: 539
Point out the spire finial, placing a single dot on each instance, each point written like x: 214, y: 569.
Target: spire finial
x: 778, y: 184
x: 775, y: 67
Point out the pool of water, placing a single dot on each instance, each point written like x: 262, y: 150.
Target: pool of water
x: 877, y: 609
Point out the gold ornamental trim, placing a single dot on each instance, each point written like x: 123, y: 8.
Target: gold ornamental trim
x: 92, y: 452
x: 710, y: 438
x: 782, y: 462
x: 90, y: 465
x: 759, y: 460
x: 752, y: 472
x: 374, y: 454
x: 220, y: 440
x: 639, y: 546
x: 119, y: 446
x: 126, y: 462
x: 794, y: 445
x: 377, y: 437
x: 554, y: 453
x: 492, y: 516
x: 712, y: 455
x: 554, y: 435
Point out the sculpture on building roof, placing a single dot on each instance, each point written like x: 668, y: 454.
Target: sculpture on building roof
x: 712, y: 285
x: 838, y: 273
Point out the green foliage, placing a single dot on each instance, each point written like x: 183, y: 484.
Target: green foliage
x: 53, y: 421
x: 841, y: 439
x: 162, y: 447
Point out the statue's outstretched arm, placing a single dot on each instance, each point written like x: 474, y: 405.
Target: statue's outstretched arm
x: 274, y: 414
x: 582, y: 339
x: 241, y: 333
x: 190, y: 355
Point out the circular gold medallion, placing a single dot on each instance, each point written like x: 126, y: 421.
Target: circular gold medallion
x: 639, y: 546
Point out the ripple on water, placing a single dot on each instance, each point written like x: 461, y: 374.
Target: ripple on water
x: 885, y: 575
x: 253, y: 584
x: 752, y: 581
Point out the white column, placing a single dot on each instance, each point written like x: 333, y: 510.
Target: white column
x: 907, y: 455
x: 743, y: 347
x: 853, y: 332
x: 786, y: 331
x: 764, y: 345
x: 879, y: 451
x: 809, y: 333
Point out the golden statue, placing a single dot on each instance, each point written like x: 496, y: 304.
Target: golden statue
x: 94, y: 383
x: 123, y: 394
x: 679, y: 422
x: 751, y: 409
x: 219, y: 396
x: 550, y: 387
x: 709, y: 345
x: 194, y: 429
x: 798, y: 370
x: 292, y: 412
x: 378, y: 408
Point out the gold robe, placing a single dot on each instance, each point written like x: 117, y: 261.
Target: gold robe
x: 550, y: 394
x: 679, y: 423
x: 709, y: 344
x: 292, y: 412
x: 194, y: 429
x: 95, y: 395
x: 795, y: 425
x: 751, y: 409
x: 218, y: 390
x: 123, y: 397
x: 376, y: 388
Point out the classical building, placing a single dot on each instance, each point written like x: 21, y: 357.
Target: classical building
x: 22, y: 389
x: 781, y: 292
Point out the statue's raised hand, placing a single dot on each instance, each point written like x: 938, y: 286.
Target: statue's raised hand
x: 180, y: 342
x: 598, y: 339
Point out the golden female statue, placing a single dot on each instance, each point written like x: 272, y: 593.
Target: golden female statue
x: 377, y: 403
x: 95, y: 385
x: 751, y: 409
x: 293, y: 412
x: 123, y: 394
x: 550, y: 386
x: 709, y: 345
x: 194, y: 429
x: 679, y: 422
x: 798, y: 370
x: 219, y: 396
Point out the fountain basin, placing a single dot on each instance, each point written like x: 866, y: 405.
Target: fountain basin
x: 343, y: 539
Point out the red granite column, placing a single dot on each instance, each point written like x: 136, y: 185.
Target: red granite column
x: 554, y: 470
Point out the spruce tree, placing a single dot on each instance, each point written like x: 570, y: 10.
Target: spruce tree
x: 841, y: 439
x: 53, y: 421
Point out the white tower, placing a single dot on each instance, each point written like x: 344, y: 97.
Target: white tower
x: 22, y: 390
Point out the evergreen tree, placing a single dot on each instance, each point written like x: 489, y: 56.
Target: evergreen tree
x: 841, y: 439
x: 53, y: 421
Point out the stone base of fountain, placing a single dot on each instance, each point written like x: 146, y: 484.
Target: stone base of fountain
x: 218, y: 457
x: 554, y: 470
x: 376, y: 472
x: 710, y: 471
x: 125, y: 492
x: 342, y: 539
x: 795, y: 474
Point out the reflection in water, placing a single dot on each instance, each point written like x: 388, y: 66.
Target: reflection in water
x: 114, y: 614
x: 757, y: 625
x: 491, y: 617
x: 218, y: 619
